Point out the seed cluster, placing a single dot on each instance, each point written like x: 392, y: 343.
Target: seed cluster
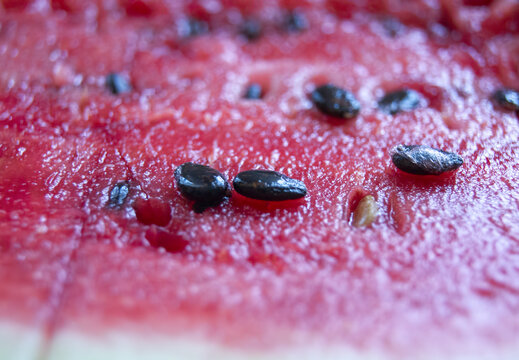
x: 207, y: 187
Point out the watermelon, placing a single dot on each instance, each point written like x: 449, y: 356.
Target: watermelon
x: 102, y: 257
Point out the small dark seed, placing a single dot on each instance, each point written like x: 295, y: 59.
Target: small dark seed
x: 119, y: 193
x: 335, y: 101
x: 268, y: 185
x: 251, y: 29
x: 424, y: 160
x: 202, y: 184
x: 295, y: 21
x: 193, y: 27
x: 392, y: 26
x: 399, y: 100
x: 117, y: 84
x: 507, y: 99
x: 253, y: 92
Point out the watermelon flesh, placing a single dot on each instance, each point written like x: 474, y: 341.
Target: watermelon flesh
x: 437, y: 272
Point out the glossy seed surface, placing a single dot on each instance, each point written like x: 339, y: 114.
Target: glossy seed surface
x: 268, y: 185
x: 119, y: 193
x: 334, y: 101
x: 201, y: 184
x: 399, y: 100
x: 424, y: 160
x: 507, y: 99
x: 117, y: 84
x: 295, y: 21
x: 253, y: 92
x: 251, y: 29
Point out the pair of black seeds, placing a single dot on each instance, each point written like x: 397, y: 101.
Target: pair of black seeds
x: 207, y: 187
x: 293, y: 21
x: 334, y: 101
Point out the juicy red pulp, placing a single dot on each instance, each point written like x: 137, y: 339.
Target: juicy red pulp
x: 438, y: 267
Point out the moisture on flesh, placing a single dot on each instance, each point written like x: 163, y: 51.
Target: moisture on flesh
x: 435, y: 268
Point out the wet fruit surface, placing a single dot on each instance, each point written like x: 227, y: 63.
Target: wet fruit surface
x: 256, y: 269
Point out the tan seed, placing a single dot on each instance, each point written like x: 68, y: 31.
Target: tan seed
x: 366, y: 212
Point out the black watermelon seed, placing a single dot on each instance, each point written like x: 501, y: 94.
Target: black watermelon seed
x: 392, y: 26
x: 424, y: 160
x: 251, y: 29
x: 117, y: 84
x: 295, y: 21
x: 268, y: 185
x: 119, y: 193
x: 193, y: 27
x: 507, y: 99
x: 399, y: 100
x: 335, y: 101
x: 202, y: 184
x: 253, y: 92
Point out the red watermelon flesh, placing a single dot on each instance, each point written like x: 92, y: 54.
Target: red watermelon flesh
x: 438, y: 270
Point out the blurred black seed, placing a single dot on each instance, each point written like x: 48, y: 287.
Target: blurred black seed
x: 251, y: 29
x: 268, y: 185
x: 295, y: 21
x: 117, y: 84
x: 399, y: 100
x: 254, y: 91
x: 392, y: 26
x: 424, y: 160
x: 119, y: 193
x: 193, y: 27
x: 507, y: 99
x: 335, y: 101
x: 202, y: 184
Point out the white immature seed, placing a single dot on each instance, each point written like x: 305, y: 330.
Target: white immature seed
x: 366, y: 212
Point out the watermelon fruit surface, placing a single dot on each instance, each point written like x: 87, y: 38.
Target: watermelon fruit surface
x: 434, y: 271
